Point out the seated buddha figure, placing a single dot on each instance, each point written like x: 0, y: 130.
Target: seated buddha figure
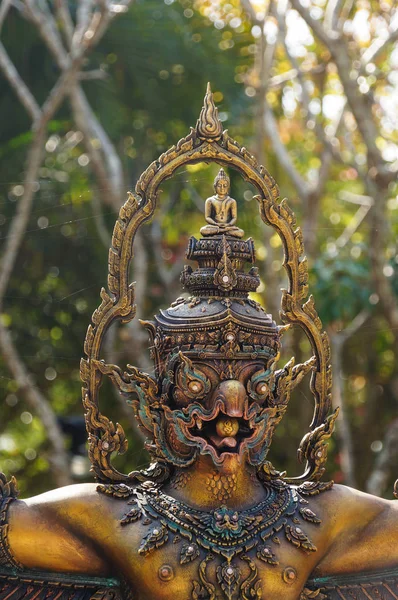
x: 220, y: 210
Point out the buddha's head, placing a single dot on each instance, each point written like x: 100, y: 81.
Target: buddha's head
x: 221, y: 183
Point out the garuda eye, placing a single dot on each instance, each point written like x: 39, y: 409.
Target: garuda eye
x: 191, y: 383
x: 195, y: 386
x: 262, y: 388
x: 258, y: 386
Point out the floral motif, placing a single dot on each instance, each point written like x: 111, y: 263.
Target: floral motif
x: 106, y: 444
x: 265, y: 554
x: 189, y: 552
x: 298, y: 538
x: 309, y: 515
x: 228, y: 576
x: 133, y: 515
x: 156, y: 537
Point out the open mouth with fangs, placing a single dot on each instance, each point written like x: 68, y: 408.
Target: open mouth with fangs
x: 224, y: 433
x: 218, y: 433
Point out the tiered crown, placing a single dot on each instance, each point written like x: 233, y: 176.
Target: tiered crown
x: 218, y: 320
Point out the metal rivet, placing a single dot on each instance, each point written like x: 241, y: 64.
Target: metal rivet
x: 166, y: 573
x: 289, y: 575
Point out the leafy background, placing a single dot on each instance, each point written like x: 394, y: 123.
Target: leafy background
x: 155, y: 61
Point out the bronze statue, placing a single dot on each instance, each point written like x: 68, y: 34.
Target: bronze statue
x: 210, y: 519
x: 221, y: 211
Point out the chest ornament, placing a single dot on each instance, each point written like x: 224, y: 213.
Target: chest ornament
x: 237, y: 538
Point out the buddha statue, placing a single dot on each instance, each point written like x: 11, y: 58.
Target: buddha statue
x: 221, y: 210
x: 210, y: 518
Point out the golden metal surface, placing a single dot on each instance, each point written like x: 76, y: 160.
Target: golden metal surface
x: 207, y: 142
x: 221, y: 210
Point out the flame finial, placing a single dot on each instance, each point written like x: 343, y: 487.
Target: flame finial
x: 209, y: 124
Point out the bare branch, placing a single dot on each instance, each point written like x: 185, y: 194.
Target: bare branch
x: 338, y: 340
x: 331, y: 21
x: 325, y: 37
x: 40, y: 406
x: 250, y: 10
x: 138, y: 337
x: 355, y: 198
x: 83, y: 17
x: 46, y: 26
x: 378, y: 46
x: 351, y: 228
x: 105, y: 161
x: 93, y: 74
x: 18, y: 85
x: 354, y: 326
x: 386, y: 460
x: 65, y: 20
x: 102, y: 230
x: 278, y: 80
x: 98, y: 146
x: 282, y: 154
x: 70, y: 65
x: 4, y: 8
x: 281, y: 16
x: 35, y: 155
x: 360, y: 106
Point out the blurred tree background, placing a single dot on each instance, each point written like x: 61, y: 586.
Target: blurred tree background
x: 91, y: 93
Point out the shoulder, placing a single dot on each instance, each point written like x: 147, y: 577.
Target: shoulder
x: 62, y: 530
x: 69, y: 495
x: 79, y: 504
x: 346, y: 511
x: 342, y: 497
x: 359, y: 531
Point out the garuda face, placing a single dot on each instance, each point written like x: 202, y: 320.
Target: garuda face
x: 217, y: 391
x: 220, y: 408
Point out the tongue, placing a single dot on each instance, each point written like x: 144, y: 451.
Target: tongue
x: 226, y: 441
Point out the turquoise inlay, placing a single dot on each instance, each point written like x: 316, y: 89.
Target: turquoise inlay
x: 67, y: 578
x: 354, y: 577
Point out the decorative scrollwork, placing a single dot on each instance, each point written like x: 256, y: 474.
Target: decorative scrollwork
x: 308, y: 594
x: 207, y: 142
x: 8, y: 493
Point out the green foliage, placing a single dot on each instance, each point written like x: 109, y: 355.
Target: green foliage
x: 157, y: 59
x: 341, y: 286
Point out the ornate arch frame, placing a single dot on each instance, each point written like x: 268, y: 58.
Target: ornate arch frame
x: 206, y: 142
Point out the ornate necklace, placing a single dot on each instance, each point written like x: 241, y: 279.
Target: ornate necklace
x: 225, y: 532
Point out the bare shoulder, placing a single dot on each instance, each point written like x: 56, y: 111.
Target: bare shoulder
x: 345, y: 502
x: 361, y: 531
x: 63, y: 529
x: 81, y: 504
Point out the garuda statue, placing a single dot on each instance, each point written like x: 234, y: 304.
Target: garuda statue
x: 210, y: 519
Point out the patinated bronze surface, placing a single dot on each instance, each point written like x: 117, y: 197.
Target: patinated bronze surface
x: 210, y: 519
x: 221, y: 210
